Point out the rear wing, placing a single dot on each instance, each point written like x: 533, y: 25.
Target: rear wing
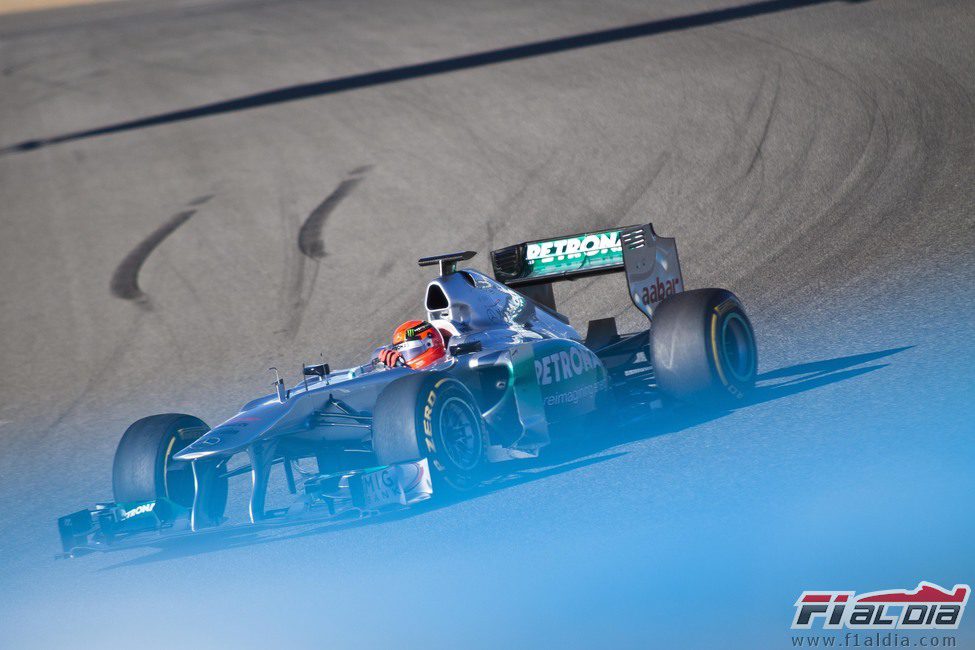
x: 650, y: 262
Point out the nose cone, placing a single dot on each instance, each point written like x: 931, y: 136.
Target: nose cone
x: 219, y: 442
x: 236, y: 434
x: 206, y: 447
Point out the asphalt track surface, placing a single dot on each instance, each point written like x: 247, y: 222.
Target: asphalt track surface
x: 193, y: 191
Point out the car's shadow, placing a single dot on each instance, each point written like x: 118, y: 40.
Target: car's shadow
x: 772, y: 385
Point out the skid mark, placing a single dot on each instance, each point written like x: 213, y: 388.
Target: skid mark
x: 385, y: 269
x: 125, y: 280
x: 100, y: 372
x: 768, y: 123
x: 637, y: 188
x: 304, y: 273
x: 304, y: 267
x: 200, y: 200
x: 310, y: 236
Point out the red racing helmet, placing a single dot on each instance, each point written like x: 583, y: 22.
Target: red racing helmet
x: 420, y: 343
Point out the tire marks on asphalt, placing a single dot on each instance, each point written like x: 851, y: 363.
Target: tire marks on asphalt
x: 125, y: 280
x: 773, y: 106
x: 304, y: 267
x: 310, y: 241
x: 200, y: 200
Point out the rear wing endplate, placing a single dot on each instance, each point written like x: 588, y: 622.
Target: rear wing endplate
x: 650, y: 262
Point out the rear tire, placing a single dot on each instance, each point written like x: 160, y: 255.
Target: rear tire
x: 142, y: 470
x: 704, y: 347
x: 431, y: 415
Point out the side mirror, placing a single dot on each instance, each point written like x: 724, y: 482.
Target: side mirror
x: 317, y: 370
x: 465, y: 348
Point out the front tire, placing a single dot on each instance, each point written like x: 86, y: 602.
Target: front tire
x: 704, y: 347
x: 431, y: 415
x: 143, y: 469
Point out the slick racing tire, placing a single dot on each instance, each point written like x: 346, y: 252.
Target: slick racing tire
x: 144, y: 470
x: 431, y: 415
x: 703, y: 347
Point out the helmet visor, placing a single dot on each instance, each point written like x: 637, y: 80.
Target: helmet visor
x: 415, y: 347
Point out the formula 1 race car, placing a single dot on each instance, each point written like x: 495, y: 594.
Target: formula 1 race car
x: 517, y: 378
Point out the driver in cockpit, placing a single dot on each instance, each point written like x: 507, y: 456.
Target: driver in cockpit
x: 416, y: 344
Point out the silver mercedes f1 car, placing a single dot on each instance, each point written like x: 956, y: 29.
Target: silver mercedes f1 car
x: 518, y: 377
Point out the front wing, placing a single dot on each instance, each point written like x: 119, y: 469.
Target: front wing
x: 336, y: 497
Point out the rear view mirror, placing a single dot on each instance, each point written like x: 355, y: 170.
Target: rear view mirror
x: 465, y: 348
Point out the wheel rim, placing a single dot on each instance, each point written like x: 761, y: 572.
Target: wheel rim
x: 460, y: 432
x: 738, y: 347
